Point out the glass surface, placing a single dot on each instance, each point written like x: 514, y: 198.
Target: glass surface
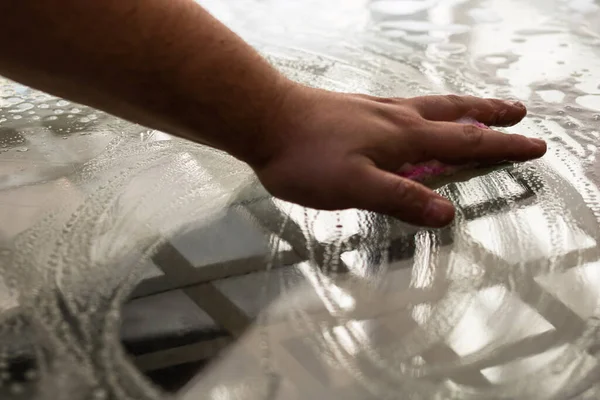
x: 138, y: 266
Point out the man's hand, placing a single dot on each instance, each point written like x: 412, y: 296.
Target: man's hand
x: 171, y: 66
x: 336, y: 151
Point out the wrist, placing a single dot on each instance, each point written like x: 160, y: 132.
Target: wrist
x: 273, y: 123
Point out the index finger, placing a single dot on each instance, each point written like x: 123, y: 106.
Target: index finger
x: 457, y: 143
x: 492, y: 112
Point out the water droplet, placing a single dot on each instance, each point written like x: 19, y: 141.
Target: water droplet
x: 17, y: 388
x: 31, y: 374
x: 99, y: 394
x: 21, y: 107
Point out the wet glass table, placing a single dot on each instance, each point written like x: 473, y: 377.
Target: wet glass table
x: 134, y: 265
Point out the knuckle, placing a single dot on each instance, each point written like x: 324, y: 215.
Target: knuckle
x: 496, y: 104
x: 496, y: 117
x: 496, y: 110
x: 389, y: 100
x: 415, y: 103
x: 473, y: 135
x: 400, y: 116
x: 409, y: 201
x: 411, y: 120
x: 406, y: 194
x: 401, y: 190
x: 455, y: 100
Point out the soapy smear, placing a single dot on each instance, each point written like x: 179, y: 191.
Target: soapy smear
x: 503, y: 304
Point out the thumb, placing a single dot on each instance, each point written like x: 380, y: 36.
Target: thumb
x: 376, y: 190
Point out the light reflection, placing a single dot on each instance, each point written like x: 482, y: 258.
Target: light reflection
x: 590, y: 101
x: 421, y: 313
x: 8, y: 300
x: 499, y: 184
x: 518, y: 368
x: 497, y: 316
x: 351, y: 336
x: 222, y: 393
x: 424, y: 266
x: 551, y: 96
x: 342, y: 298
x: 396, y: 8
x: 333, y: 297
x: 537, y: 240
x: 577, y: 288
x: 344, y: 338
x: 357, y: 263
x: 154, y: 136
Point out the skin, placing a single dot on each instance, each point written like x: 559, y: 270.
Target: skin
x: 169, y: 65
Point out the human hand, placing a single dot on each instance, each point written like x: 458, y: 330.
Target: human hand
x: 335, y: 151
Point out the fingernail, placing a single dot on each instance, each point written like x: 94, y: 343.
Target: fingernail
x: 439, y: 211
x: 515, y: 103
x: 539, y: 143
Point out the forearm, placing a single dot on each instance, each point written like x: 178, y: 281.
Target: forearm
x: 166, y: 64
